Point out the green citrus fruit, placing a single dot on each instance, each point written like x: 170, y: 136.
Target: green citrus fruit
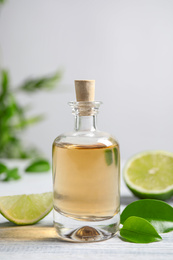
x: 26, y: 209
x: 150, y: 175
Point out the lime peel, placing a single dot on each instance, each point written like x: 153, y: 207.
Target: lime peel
x: 26, y: 209
x: 152, y: 168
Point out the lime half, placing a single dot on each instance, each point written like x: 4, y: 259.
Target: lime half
x: 150, y: 175
x: 26, y: 209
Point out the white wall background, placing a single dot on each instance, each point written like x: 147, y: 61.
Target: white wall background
x: 126, y: 46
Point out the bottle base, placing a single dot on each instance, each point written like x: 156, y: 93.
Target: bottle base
x: 73, y: 230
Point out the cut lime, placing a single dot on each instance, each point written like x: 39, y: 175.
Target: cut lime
x: 26, y: 209
x: 150, y: 175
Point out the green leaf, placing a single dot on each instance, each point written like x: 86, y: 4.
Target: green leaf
x: 49, y: 82
x: 4, y: 84
x: 2, y: 1
x: 29, y: 121
x: 8, y: 174
x: 5, y: 80
x: 38, y: 166
x: 12, y: 174
x: 139, y: 230
x: 3, y: 168
x: 108, y: 156
x: 158, y: 213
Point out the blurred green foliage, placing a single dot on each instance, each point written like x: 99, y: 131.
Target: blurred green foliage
x: 36, y: 166
x: 13, y: 118
x: 7, y: 174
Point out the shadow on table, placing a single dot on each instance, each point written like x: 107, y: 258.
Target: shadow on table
x: 126, y: 200
x: 11, y: 232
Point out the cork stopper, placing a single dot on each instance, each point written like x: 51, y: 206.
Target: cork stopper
x: 85, y: 90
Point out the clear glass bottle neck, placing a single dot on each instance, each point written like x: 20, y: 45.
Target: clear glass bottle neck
x: 85, y: 123
x: 85, y: 114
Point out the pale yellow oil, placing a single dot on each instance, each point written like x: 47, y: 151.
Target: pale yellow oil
x: 86, y: 181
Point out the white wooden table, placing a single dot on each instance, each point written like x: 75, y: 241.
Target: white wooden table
x: 40, y: 241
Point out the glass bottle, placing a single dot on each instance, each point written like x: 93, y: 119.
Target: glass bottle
x: 86, y: 175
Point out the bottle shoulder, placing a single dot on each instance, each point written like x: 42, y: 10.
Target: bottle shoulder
x: 86, y: 138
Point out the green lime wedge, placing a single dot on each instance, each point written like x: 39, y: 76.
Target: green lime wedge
x: 26, y: 209
x: 150, y: 175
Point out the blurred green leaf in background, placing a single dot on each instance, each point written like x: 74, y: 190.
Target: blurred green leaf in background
x: 13, y: 118
x: 41, y: 83
x: 2, y: 1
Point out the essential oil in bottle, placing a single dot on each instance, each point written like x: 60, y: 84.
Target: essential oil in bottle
x: 86, y: 175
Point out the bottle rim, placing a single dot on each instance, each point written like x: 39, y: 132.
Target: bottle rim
x: 85, y: 103
x: 84, y: 107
